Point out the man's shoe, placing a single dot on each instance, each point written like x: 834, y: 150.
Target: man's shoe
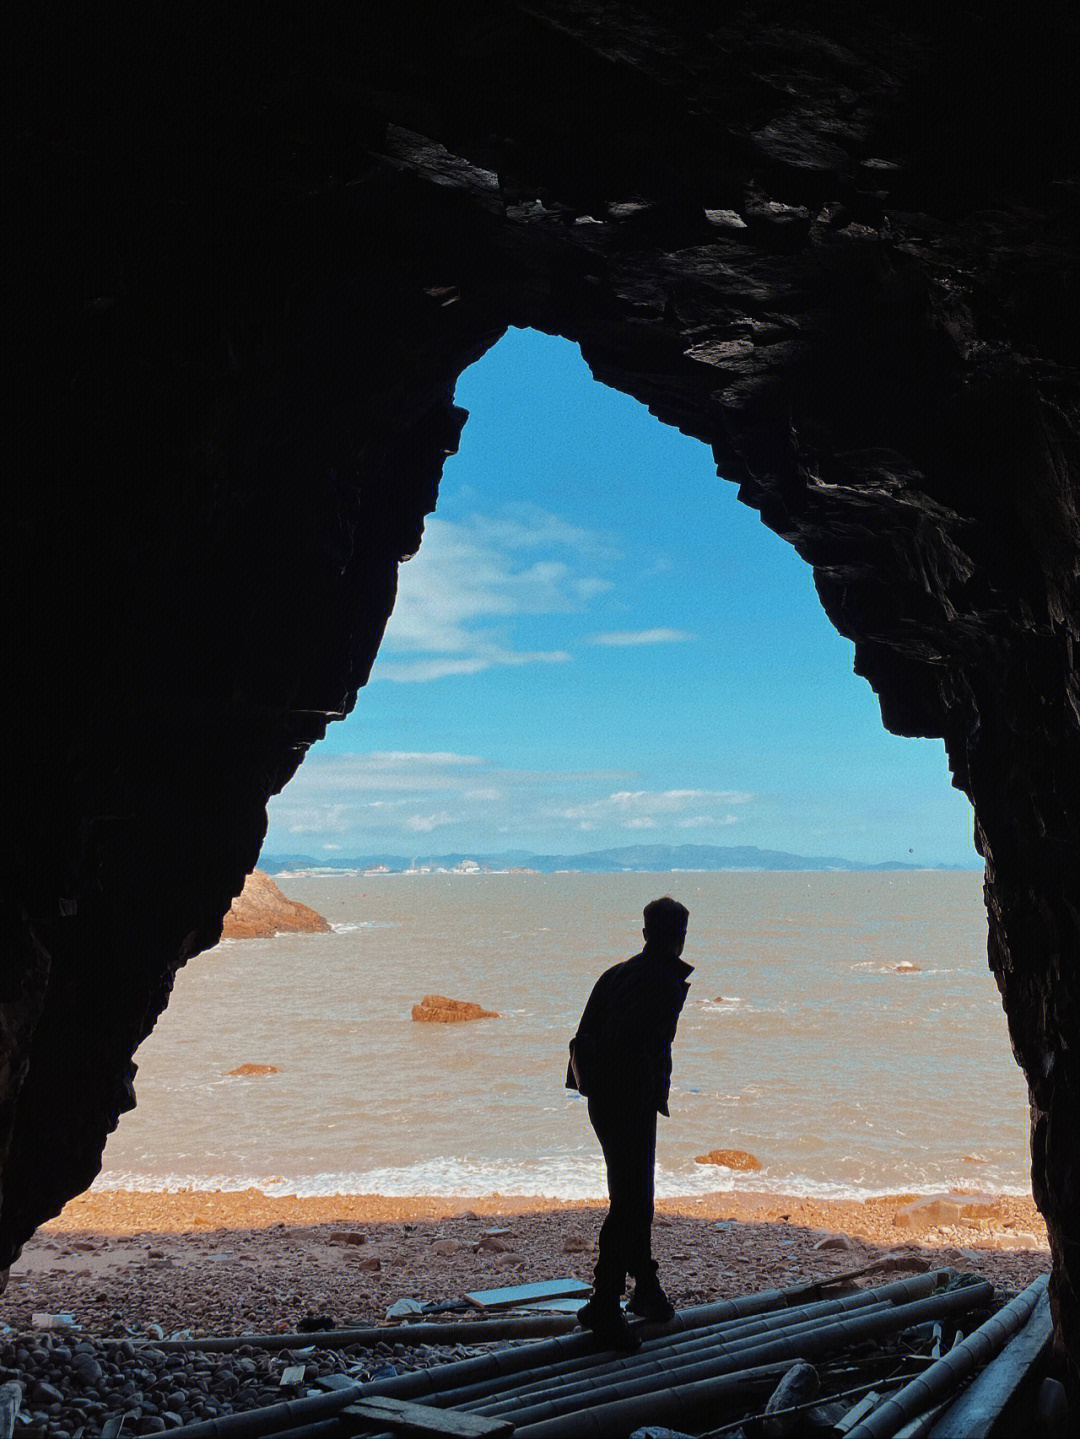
x: 609, y: 1326
x: 651, y: 1303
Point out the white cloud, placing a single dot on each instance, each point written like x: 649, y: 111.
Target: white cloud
x: 385, y: 771
x: 639, y: 809
x: 420, y: 671
x: 661, y: 636
x: 425, y: 823
x: 458, y: 598
x: 315, y: 818
x: 360, y: 801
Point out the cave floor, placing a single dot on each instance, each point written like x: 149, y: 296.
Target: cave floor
x: 219, y: 1263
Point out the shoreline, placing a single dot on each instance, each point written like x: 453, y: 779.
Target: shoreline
x: 228, y: 1261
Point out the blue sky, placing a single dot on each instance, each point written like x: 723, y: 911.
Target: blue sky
x: 598, y: 645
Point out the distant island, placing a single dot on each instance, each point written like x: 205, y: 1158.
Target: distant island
x: 625, y: 859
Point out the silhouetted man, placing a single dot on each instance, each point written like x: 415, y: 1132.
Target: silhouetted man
x: 620, y: 1059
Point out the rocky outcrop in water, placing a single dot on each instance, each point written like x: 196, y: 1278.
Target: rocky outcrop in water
x: 437, y: 1009
x: 838, y: 244
x: 260, y: 911
x: 739, y: 1159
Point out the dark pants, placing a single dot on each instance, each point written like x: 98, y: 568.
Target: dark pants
x: 628, y: 1139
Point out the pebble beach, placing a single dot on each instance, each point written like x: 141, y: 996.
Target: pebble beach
x: 136, y: 1267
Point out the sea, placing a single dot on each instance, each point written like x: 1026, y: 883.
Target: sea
x: 842, y: 1027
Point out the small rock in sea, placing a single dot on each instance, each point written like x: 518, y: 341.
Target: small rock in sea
x: 835, y: 1241
x: 730, y: 1159
x: 907, y: 966
x: 447, y: 1246
x: 247, y: 1071
x: 437, y: 1009
x: 974, y: 1159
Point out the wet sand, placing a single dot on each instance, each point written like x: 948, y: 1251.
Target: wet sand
x: 229, y: 1262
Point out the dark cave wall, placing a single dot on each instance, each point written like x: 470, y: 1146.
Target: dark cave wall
x: 838, y: 244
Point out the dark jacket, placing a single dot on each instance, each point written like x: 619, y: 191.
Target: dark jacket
x: 622, y: 1048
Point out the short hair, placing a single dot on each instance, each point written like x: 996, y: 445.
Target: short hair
x: 665, y: 919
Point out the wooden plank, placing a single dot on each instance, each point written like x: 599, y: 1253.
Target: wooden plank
x: 975, y: 1412
x: 567, y: 1288
x: 421, y: 1420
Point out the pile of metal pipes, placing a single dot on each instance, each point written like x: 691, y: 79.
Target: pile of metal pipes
x: 719, y: 1358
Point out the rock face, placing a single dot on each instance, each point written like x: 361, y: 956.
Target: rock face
x: 837, y: 244
x: 260, y: 911
x: 437, y: 1009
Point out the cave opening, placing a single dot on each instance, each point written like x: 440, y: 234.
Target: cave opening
x: 581, y: 658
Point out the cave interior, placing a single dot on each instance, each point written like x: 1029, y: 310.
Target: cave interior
x: 255, y: 248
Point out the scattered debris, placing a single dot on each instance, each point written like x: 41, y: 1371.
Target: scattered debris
x: 513, y: 1295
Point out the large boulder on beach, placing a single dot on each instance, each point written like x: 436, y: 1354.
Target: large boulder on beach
x: 437, y: 1009
x: 730, y: 1159
x: 937, y: 1211
x: 260, y: 911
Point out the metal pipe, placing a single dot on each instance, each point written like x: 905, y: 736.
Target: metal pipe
x: 899, y: 1291
x: 272, y: 1418
x: 294, y: 1413
x: 941, y: 1378
x: 974, y: 1414
x: 505, y: 1362
x: 672, y: 1406
x: 817, y: 1340
x: 635, y: 1366
x: 460, y: 1331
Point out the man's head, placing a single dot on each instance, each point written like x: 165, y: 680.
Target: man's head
x: 665, y: 924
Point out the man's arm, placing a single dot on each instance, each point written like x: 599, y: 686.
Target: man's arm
x: 669, y: 1013
x: 584, y: 1045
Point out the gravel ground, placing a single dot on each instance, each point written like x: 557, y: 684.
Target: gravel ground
x: 73, y: 1386
x: 140, y: 1267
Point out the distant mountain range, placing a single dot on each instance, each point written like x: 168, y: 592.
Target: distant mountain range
x: 631, y: 858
